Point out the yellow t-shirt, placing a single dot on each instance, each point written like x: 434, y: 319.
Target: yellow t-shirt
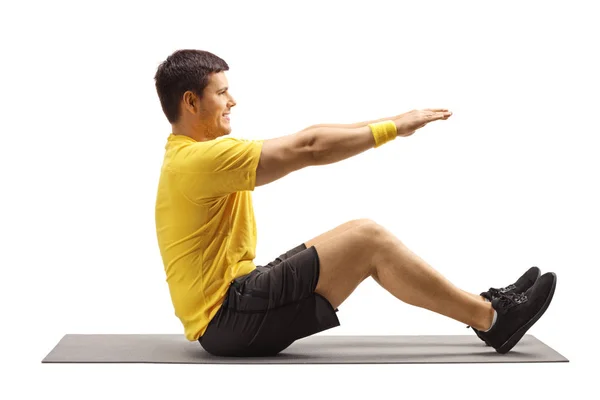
x: 205, y: 222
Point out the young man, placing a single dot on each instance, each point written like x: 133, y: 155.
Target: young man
x: 207, y: 233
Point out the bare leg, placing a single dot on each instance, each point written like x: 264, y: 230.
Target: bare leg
x: 409, y: 278
x: 339, y: 230
x: 351, y: 225
x: 475, y: 296
x: 366, y: 249
x: 336, y: 231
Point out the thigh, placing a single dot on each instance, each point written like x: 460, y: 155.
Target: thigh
x: 319, y: 239
x: 346, y: 260
x: 291, y: 277
x: 286, y: 255
x: 337, y: 230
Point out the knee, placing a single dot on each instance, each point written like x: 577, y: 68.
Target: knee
x: 361, y: 221
x: 374, y: 239
x: 372, y: 231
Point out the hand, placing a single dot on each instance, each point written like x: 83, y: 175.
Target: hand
x: 409, y: 122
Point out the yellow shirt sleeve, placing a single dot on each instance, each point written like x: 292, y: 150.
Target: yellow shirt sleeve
x: 218, y: 167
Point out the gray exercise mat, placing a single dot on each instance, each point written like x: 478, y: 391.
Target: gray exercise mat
x: 316, y: 349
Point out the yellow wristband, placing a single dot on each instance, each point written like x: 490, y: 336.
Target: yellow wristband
x: 383, y: 132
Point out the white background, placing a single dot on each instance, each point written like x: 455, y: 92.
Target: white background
x: 509, y: 181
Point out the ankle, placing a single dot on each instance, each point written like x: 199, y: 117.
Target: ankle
x: 484, y: 322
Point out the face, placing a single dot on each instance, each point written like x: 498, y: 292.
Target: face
x: 212, y: 111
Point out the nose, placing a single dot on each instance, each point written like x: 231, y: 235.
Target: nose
x: 231, y: 102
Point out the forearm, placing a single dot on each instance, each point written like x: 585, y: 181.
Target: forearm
x: 333, y: 143
x: 355, y: 125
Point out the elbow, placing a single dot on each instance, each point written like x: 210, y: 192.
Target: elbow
x: 310, y: 145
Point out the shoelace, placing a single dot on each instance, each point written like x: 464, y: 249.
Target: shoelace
x: 497, y: 292
x: 509, y: 300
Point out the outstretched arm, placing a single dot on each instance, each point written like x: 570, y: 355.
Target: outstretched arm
x: 329, y: 143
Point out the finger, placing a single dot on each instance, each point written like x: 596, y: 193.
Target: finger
x: 441, y: 115
x: 436, y: 109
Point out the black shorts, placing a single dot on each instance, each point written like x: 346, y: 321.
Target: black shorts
x: 268, y: 309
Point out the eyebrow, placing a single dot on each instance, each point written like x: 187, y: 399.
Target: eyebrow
x: 223, y: 88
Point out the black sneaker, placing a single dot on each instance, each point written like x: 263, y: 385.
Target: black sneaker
x: 517, y: 312
x: 522, y: 284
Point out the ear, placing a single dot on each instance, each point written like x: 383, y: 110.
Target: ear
x: 190, y: 101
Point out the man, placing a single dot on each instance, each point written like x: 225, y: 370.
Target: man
x: 207, y: 233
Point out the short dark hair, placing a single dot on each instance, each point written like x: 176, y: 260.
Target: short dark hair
x: 182, y: 71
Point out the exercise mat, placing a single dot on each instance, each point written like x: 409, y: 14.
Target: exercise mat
x: 316, y: 349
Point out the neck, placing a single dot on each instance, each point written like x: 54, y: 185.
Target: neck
x: 198, y: 132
